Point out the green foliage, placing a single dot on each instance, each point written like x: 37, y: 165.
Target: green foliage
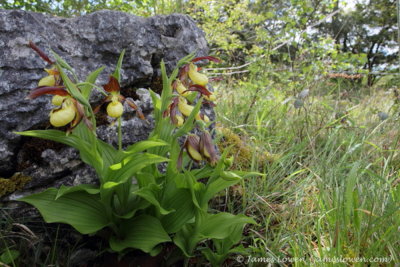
x: 337, y: 161
x: 9, y: 256
x: 162, y: 206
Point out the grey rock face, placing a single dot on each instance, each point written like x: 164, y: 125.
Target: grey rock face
x: 86, y: 43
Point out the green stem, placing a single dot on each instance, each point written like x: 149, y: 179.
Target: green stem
x: 119, y: 134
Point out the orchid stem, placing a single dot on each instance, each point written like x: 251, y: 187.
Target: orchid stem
x: 119, y: 134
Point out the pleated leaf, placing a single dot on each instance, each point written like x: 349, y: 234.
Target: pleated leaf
x: 143, y: 232
x: 83, y: 211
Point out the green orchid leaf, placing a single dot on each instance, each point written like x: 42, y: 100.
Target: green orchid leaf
x: 91, y: 79
x: 151, y: 193
x: 83, y: 211
x: 197, y: 190
x: 9, y: 256
x: 156, y: 107
x: 145, y: 178
x: 143, y: 145
x: 117, y: 72
x: 143, y: 232
x: 131, y: 165
x: 88, y: 155
x: 218, y: 185
x: 221, y: 225
x: 179, y: 200
x: 209, y: 226
x: 72, y: 88
x: 213, y: 257
x: 189, y: 122
x: 62, y: 62
x: 88, y: 188
x: 167, y: 90
x: 53, y: 135
x: 109, y: 185
x: 186, y: 239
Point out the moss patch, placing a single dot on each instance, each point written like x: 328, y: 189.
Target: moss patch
x: 242, y: 150
x: 16, y: 182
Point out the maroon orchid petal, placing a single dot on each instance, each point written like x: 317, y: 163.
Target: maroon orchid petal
x: 208, y: 58
x: 80, y: 114
x: 174, y: 85
x: 40, y: 53
x: 135, y: 107
x: 198, y: 88
x: 112, y: 85
x: 45, y: 90
x: 183, y: 74
x: 180, y: 158
x: 172, y: 116
x: 207, y: 148
x: 171, y: 107
x: 166, y: 112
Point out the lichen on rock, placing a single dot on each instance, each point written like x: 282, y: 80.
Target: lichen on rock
x: 16, y: 182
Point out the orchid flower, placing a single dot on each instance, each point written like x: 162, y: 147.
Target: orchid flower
x: 115, y: 107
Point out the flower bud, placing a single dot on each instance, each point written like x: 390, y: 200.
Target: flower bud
x: 48, y: 81
x: 207, y: 148
x: 196, y: 77
x: 228, y: 162
x: 62, y: 116
x: 230, y: 176
x: 115, y: 109
x: 57, y: 100
x: 192, y: 147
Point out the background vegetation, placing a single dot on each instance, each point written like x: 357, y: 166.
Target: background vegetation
x: 309, y: 97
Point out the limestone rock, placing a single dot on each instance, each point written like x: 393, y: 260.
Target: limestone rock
x: 86, y: 43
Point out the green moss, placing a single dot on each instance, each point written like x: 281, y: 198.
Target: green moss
x: 242, y: 152
x: 16, y: 182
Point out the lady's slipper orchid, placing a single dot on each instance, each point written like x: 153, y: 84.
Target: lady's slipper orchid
x: 174, y: 114
x: 203, y: 91
x: 193, y: 148
x: 53, y: 78
x: 70, y: 110
x: 57, y: 100
x: 196, y: 77
x: 50, y: 80
x: 64, y: 115
x: 40, y: 53
x: 180, y: 88
x: 187, y: 109
x: 115, y: 108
